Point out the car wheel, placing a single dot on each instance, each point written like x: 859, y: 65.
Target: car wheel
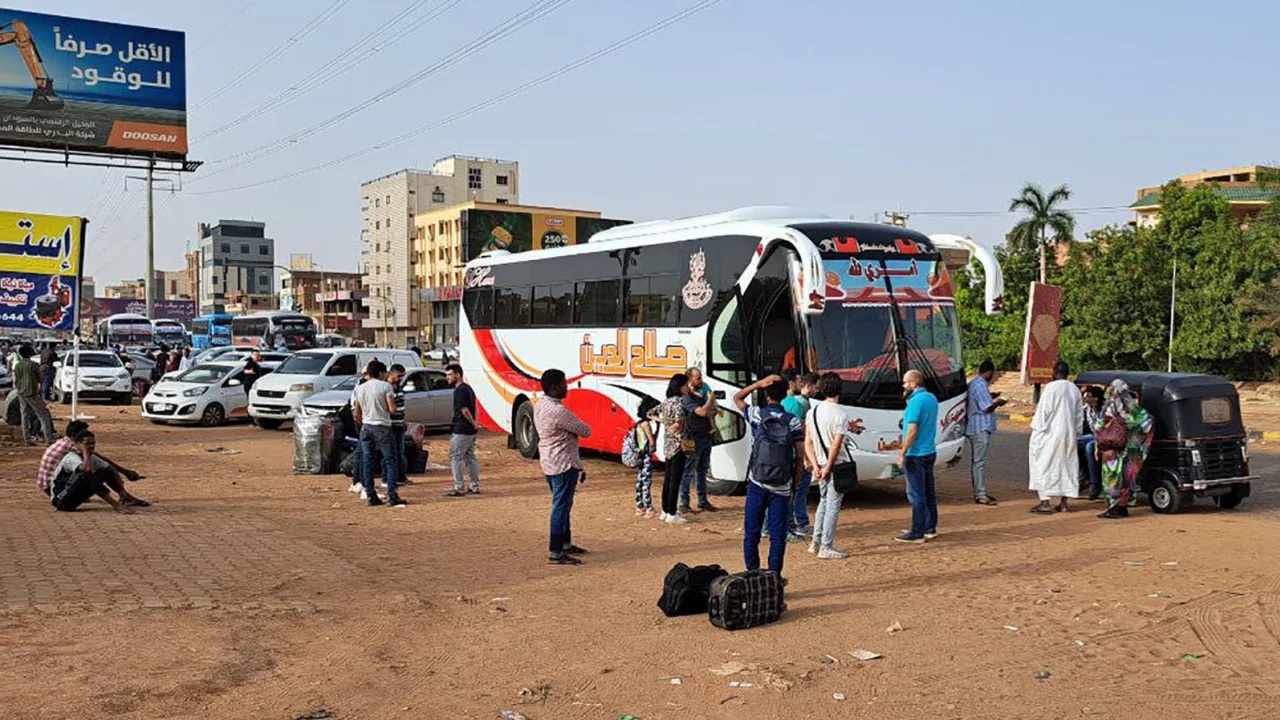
x: 1166, y: 497
x: 269, y: 424
x: 725, y: 487
x: 525, y: 431
x: 213, y: 415
x: 1232, y: 500
x: 64, y: 397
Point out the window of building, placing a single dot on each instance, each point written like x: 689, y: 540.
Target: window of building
x: 213, y: 280
x: 264, y: 250
x: 437, y: 196
x: 377, y: 270
x: 388, y: 199
x: 244, y: 249
x: 377, y: 202
x: 502, y: 201
x: 473, y: 178
x: 226, y: 247
x: 377, y: 224
x: 500, y: 179
x: 441, y: 224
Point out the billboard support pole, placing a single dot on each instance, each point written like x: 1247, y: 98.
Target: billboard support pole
x: 151, y: 240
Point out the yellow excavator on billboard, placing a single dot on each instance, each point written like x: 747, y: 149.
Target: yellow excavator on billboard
x: 42, y: 97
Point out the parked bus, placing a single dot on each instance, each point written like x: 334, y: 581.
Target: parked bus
x: 294, y: 331
x: 211, y: 331
x: 742, y: 295
x: 169, y: 332
x: 127, y: 329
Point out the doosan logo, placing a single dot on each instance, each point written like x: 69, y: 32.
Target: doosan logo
x: 149, y: 136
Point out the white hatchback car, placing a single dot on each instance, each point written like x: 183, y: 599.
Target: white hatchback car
x: 101, y: 376
x: 207, y: 394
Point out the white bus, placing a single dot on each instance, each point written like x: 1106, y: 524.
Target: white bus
x: 270, y: 330
x: 127, y: 329
x: 740, y: 294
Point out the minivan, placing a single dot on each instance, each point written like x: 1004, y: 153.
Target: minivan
x: 278, y: 397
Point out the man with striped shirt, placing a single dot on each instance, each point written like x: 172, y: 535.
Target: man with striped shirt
x: 396, y: 378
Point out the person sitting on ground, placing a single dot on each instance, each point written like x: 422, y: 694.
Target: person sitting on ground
x: 83, y: 474
x: 55, y: 453
x: 773, y: 475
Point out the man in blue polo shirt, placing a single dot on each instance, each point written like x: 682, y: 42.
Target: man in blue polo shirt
x: 919, y: 432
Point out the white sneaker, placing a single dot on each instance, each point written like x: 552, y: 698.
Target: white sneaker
x: 363, y: 494
x: 830, y: 553
x: 355, y: 487
x: 813, y: 548
x: 677, y: 520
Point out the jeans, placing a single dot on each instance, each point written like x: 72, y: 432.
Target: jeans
x: 922, y: 493
x: 462, y: 452
x: 800, y: 503
x: 35, y: 411
x: 80, y: 487
x: 1090, y: 469
x: 978, y: 446
x: 671, y: 477
x: 376, y: 439
x: 46, y: 382
x: 827, y: 515
x: 562, y: 487
x: 402, y: 463
x: 762, y: 504
x: 695, y: 468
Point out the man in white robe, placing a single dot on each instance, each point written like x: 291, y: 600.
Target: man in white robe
x: 1052, y: 452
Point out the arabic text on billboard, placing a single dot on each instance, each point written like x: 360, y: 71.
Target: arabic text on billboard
x: 40, y: 259
x: 88, y: 85
x: 170, y: 309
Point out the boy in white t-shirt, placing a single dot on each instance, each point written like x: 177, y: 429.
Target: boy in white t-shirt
x: 828, y: 441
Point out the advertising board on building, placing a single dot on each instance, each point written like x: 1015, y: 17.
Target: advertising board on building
x: 40, y: 260
x: 85, y: 85
x: 1040, y: 343
x: 520, y: 231
x: 97, y: 308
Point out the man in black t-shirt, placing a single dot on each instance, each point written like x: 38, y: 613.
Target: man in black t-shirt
x: 252, y: 370
x: 462, y: 443
x: 700, y: 408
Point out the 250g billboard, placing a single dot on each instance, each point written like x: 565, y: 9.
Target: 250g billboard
x: 77, y: 84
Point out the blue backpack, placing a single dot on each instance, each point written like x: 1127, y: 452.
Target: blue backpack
x: 773, y: 448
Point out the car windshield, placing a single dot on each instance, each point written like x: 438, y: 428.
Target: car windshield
x: 304, y: 364
x: 206, y: 374
x: 94, y: 360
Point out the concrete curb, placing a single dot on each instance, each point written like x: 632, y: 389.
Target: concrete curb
x: 1253, y: 435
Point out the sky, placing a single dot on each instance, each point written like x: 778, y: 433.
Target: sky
x: 849, y: 108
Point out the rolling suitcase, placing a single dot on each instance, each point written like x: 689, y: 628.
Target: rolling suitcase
x: 746, y: 600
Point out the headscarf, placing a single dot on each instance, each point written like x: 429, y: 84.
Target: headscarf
x: 1119, y: 400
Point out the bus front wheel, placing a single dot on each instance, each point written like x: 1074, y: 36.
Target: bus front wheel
x: 525, y: 432
x: 725, y: 487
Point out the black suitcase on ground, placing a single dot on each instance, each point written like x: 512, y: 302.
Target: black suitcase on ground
x: 685, y: 589
x: 746, y: 600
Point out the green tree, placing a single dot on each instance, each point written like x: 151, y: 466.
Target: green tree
x: 1043, y: 216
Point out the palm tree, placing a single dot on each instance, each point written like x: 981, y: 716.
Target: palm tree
x: 1043, y: 216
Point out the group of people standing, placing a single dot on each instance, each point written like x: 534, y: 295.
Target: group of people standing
x: 1084, y: 441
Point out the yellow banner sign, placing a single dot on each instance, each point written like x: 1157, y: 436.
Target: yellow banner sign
x: 39, y: 244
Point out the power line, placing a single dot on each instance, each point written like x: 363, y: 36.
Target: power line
x: 519, y: 90
x: 520, y: 20
x: 280, y: 50
x: 216, y: 34
x: 326, y: 72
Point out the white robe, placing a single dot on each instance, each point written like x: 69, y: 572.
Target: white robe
x: 1057, y: 422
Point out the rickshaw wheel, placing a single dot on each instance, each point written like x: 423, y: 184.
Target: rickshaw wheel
x: 1166, y: 497
x: 1233, y: 499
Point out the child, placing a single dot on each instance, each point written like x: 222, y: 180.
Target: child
x: 646, y: 441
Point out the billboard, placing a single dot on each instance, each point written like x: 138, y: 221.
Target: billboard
x: 518, y: 231
x: 97, y: 308
x: 76, y: 84
x: 1040, y: 343
x: 40, y: 259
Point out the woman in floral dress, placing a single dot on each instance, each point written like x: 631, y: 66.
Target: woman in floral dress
x: 1120, y: 467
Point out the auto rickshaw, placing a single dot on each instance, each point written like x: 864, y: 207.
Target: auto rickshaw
x: 1199, y: 447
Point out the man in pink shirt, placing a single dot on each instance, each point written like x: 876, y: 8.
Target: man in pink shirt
x: 558, y: 433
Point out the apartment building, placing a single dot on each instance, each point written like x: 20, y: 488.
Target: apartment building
x: 389, y: 208
x: 334, y: 299
x: 1241, y: 186
x: 237, y: 267
x: 447, y: 238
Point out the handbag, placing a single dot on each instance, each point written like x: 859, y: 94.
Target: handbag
x: 844, y: 474
x: 1114, y: 434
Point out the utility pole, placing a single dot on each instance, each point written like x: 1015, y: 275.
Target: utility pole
x: 150, y: 280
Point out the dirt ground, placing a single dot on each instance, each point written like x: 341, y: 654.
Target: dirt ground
x: 247, y: 592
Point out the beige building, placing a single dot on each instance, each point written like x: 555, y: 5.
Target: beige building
x: 131, y: 289
x: 390, y: 205
x: 447, y: 238
x: 1239, y: 185
x: 173, y: 285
